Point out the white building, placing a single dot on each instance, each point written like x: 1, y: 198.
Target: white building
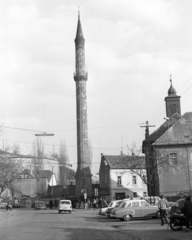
x: 119, y: 177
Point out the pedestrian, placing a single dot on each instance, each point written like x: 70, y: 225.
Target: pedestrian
x: 187, y: 210
x: 105, y: 202
x: 51, y: 204
x: 163, y: 206
x: 94, y: 204
x: 100, y: 202
x: 8, y: 207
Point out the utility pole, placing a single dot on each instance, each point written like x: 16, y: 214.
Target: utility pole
x: 149, y: 162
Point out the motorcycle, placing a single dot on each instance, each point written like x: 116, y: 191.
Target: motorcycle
x: 177, y: 222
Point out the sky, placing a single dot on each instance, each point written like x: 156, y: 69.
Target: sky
x: 131, y: 49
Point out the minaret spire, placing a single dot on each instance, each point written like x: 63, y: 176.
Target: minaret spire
x: 79, y: 34
x: 78, y: 13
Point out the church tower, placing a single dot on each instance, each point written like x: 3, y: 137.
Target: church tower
x: 172, y: 102
x: 83, y: 174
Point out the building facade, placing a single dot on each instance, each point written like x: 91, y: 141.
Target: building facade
x: 174, y: 158
x: 168, y: 151
x: 83, y: 174
x: 119, y: 177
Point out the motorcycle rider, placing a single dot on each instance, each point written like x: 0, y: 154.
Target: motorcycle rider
x: 163, y: 206
x: 187, y: 210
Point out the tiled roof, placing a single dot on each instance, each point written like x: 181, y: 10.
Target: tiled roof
x: 125, y: 161
x: 26, y: 172
x: 179, y: 133
x: 163, y: 128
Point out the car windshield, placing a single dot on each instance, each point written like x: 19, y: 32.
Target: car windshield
x: 65, y: 202
x: 180, y: 202
x: 118, y: 204
x: 110, y: 204
x: 123, y: 205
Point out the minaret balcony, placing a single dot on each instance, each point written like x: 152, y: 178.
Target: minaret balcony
x: 83, y: 74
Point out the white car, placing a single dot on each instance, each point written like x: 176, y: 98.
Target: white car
x: 65, y: 206
x: 118, y: 206
x: 112, y: 204
x: 136, y: 209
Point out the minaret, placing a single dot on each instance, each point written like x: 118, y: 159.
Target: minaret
x: 172, y: 102
x: 83, y: 174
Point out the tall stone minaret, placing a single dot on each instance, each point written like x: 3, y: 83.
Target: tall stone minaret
x: 83, y: 174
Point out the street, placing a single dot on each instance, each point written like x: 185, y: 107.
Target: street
x: 24, y: 224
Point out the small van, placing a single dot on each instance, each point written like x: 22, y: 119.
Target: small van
x: 65, y: 206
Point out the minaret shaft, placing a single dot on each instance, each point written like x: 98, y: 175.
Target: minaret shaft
x: 83, y: 175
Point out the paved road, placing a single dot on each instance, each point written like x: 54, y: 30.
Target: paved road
x: 24, y: 224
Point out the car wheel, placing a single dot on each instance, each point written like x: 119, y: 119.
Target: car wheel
x: 174, y: 224
x: 157, y: 215
x: 127, y: 217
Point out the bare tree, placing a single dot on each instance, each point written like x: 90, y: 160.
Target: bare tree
x: 9, y: 170
x: 38, y: 154
x: 15, y: 149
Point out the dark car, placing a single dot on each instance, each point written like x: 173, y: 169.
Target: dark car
x: 177, y: 207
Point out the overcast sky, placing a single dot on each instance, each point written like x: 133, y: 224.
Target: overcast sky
x: 131, y: 49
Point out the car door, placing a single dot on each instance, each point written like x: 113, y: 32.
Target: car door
x: 136, y: 209
x: 148, y: 210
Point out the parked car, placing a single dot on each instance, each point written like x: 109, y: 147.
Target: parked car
x: 112, y: 204
x: 116, y: 204
x: 153, y: 200
x: 136, y: 209
x: 112, y: 212
x: 65, y: 206
x: 40, y: 205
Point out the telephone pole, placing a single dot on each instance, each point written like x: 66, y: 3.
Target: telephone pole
x: 148, y: 159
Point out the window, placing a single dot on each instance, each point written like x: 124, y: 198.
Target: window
x: 96, y: 191
x: 135, y: 204
x: 144, y: 204
x: 135, y: 194
x: 118, y: 180
x: 123, y: 205
x: 144, y: 194
x: 134, y: 180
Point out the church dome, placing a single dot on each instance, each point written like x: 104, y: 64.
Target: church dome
x: 171, y: 90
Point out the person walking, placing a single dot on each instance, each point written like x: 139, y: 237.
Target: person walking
x: 187, y: 210
x: 163, y: 206
x: 8, y: 208
x: 94, y: 204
